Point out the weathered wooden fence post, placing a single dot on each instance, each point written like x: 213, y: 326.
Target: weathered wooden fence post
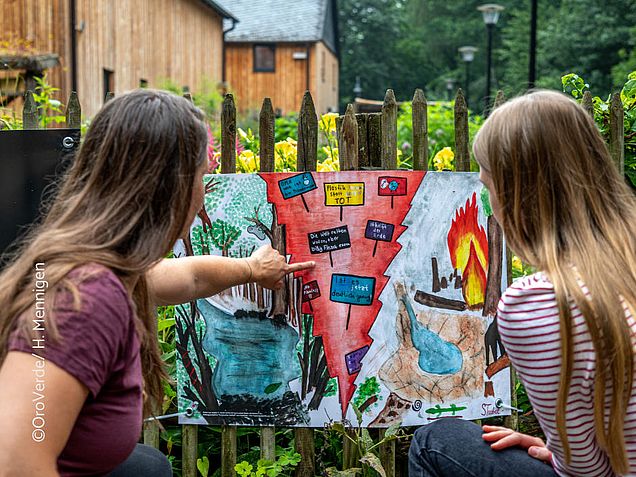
x: 307, y: 135
x: 374, y: 139
x: 462, y: 153
x: 363, y: 148
x: 30, y: 112
x: 389, y: 131
x: 73, y: 112
x: 420, y: 131
x: 266, y: 131
x: 617, y: 131
x: 189, y: 432
x: 228, y: 166
x: 307, y: 161
x: 587, y: 103
x: 348, y: 147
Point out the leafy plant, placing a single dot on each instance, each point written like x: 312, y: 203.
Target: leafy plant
x: 282, y: 466
x: 441, y: 130
x: 574, y: 85
x: 364, y: 447
x: 50, y: 109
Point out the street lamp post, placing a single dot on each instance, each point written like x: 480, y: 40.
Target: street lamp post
x: 490, y: 12
x: 450, y: 84
x: 532, y: 63
x: 357, y: 89
x: 468, y: 55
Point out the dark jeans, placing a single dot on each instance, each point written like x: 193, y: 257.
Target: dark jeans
x: 455, y: 448
x: 144, y: 461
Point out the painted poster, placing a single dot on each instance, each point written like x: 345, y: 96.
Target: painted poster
x: 396, y: 319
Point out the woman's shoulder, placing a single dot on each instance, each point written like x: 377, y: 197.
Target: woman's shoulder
x: 98, y: 285
x: 528, y: 298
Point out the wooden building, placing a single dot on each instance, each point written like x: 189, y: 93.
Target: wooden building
x: 114, y: 45
x: 280, y: 49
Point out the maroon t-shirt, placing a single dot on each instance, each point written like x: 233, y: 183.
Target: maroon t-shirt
x: 99, y: 347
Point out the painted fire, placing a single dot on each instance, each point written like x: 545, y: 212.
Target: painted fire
x: 468, y: 248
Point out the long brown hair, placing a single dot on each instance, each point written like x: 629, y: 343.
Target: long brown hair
x: 123, y: 204
x: 566, y: 209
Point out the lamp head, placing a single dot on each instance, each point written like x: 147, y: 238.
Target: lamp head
x: 491, y: 12
x: 467, y: 52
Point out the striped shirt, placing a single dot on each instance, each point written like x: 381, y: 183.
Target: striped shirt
x: 528, y: 322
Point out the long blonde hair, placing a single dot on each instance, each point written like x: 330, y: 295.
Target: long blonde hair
x: 566, y: 210
x: 123, y: 203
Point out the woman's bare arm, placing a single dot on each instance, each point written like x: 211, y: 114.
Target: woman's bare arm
x: 179, y: 280
x: 25, y: 450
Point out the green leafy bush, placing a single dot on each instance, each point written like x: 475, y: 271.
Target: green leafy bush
x: 576, y: 86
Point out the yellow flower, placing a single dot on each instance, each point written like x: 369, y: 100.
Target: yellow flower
x: 328, y: 122
x: 516, y: 264
x: 247, y: 162
x: 443, y: 160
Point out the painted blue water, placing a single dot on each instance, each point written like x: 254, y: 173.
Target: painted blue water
x: 256, y: 356
x: 436, y: 355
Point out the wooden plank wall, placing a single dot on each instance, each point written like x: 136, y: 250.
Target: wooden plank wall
x: 146, y: 39
x: 137, y: 39
x: 287, y: 85
x: 326, y: 79
x: 44, y: 24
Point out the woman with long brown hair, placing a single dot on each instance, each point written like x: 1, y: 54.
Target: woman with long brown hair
x: 79, y: 357
x: 568, y: 329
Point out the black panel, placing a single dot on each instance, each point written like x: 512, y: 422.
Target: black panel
x: 29, y: 162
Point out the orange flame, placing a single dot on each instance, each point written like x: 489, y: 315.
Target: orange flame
x: 468, y: 247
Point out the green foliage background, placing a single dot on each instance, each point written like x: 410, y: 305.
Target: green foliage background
x: 408, y: 44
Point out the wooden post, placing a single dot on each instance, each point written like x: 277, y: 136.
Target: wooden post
x: 389, y: 162
x: 389, y: 131
x: 228, y: 135
x: 267, y: 136
x: 308, y: 127
x: 189, y: 444
x: 420, y: 131
x: 349, y: 452
x: 363, y: 151
x: 307, y: 135
x: 228, y: 451
x: 189, y: 432
x: 73, y: 112
x: 228, y: 166
x: 374, y: 139
x: 387, y: 455
x: 617, y: 132
x: 151, y: 433
x: 587, y: 103
x: 462, y: 154
x: 29, y: 112
x: 348, y: 147
x: 268, y: 443
x: 500, y: 99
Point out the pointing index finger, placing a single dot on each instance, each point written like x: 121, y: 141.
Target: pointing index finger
x: 296, y: 267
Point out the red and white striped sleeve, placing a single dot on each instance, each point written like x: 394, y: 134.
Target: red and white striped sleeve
x: 528, y: 322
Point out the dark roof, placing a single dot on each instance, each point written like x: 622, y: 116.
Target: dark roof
x: 222, y: 11
x: 283, y: 21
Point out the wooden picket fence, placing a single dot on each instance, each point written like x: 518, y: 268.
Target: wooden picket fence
x: 365, y: 141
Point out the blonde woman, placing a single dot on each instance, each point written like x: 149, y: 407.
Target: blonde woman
x: 569, y: 328
x: 79, y: 358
